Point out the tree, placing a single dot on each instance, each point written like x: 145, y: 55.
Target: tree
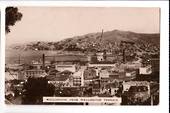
x: 12, y: 16
x: 34, y: 90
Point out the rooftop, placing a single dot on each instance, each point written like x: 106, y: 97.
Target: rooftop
x: 59, y: 76
x: 138, y: 83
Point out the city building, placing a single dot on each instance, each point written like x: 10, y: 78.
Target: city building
x: 60, y: 79
x: 114, y: 75
x: 77, y: 81
x: 112, y: 88
x: 69, y: 67
x: 39, y: 64
x: 130, y: 73
x: 96, y: 87
x: 78, y: 78
x: 104, y: 74
x: 100, y: 56
x: 11, y: 75
x: 21, y: 75
x: 127, y: 85
x: 102, y: 65
x: 145, y: 70
x: 35, y: 73
x: 105, y: 56
x: 14, y: 66
x: 131, y: 66
x: 136, y: 91
x: 111, y: 58
x: 89, y: 74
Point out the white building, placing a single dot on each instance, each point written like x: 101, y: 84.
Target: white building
x: 11, y: 76
x: 61, y: 83
x: 78, y: 78
x: 14, y: 66
x: 77, y: 81
x: 104, y: 74
x: 145, y: 70
x: 100, y: 56
x: 101, y: 65
x: 35, y: 73
x: 64, y: 67
x: 39, y: 65
x: 114, y: 91
x: 130, y: 74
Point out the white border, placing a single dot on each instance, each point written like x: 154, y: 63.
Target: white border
x: 164, y: 65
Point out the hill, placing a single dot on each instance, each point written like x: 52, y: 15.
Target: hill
x: 92, y: 42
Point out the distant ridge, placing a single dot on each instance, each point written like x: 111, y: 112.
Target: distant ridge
x: 109, y: 41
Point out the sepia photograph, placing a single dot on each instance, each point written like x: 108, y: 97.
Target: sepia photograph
x: 82, y: 56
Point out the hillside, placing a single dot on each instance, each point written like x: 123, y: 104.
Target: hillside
x: 92, y: 42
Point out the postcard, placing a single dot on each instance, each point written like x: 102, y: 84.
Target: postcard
x: 82, y: 55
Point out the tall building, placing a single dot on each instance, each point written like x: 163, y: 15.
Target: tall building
x: 77, y: 81
x: 96, y: 87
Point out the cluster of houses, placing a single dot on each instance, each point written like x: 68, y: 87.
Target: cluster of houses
x: 101, y: 76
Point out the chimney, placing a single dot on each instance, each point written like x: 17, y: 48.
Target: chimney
x: 101, y: 35
x: 43, y: 61
x: 124, y: 56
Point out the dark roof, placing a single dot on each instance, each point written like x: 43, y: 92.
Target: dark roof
x: 53, y: 72
x: 96, y: 86
x: 59, y: 76
x: 89, y: 74
x: 114, y: 76
x: 66, y: 72
x: 112, y: 85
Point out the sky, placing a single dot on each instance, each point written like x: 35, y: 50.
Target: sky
x: 57, y: 23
